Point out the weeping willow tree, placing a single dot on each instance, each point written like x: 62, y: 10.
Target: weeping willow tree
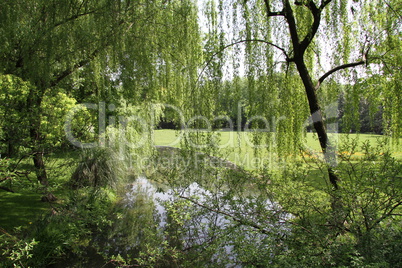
x: 95, y: 51
x: 297, y: 54
x: 297, y: 58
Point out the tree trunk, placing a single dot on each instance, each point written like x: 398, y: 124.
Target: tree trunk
x: 318, y: 120
x: 40, y: 168
x: 36, y: 139
x: 338, y: 213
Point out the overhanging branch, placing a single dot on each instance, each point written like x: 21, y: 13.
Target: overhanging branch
x: 234, y: 218
x: 240, y: 42
x: 73, y: 68
x: 253, y: 40
x: 62, y: 75
x: 76, y: 16
x: 341, y: 67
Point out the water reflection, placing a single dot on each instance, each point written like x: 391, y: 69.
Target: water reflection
x: 235, y: 223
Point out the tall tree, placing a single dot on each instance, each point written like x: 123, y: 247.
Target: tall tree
x: 318, y: 41
x: 311, y: 42
x: 85, y: 46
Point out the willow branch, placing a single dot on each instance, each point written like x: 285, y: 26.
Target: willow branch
x: 254, y: 40
x: 76, y: 16
x: 240, y: 221
x: 271, y: 13
x: 240, y: 42
x: 74, y: 68
x: 62, y: 75
x: 393, y: 10
x: 341, y: 67
x: 324, y: 4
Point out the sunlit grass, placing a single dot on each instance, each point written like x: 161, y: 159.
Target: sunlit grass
x: 238, y: 147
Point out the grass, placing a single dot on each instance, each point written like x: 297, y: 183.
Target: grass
x: 238, y: 147
x: 20, y: 209
x: 24, y: 206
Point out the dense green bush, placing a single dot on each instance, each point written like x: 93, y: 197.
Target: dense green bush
x: 64, y: 234
x: 370, y: 195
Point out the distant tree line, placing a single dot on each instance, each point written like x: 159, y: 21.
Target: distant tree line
x: 234, y: 101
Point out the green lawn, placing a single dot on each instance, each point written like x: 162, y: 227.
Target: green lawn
x: 238, y: 147
x: 20, y: 209
x: 24, y: 206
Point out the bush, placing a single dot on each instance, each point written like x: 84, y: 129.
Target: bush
x: 96, y: 169
x: 370, y: 195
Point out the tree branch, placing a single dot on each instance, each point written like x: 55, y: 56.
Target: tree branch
x: 73, y: 68
x: 6, y: 189
x: 314, y: 27
x: 341, y: 67
x: 84, y: 62
x: 324, y: 4
x: 270, y: 13
x: 240, y: 221
x: 240, y: 42
x: 290, y: 18
x: 254, y: 40
x: 386, y: 214
x: 76, y: 16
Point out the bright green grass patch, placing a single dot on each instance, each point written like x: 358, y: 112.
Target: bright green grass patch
x: 242, y: 140
x: 238, y: 147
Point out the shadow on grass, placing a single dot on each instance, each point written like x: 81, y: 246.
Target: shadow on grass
x: 20, y: 209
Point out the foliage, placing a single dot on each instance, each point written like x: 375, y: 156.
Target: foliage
x: 64, y: 233
x: 371, y: 201
x: 14, y: 117
x: 16, y: 252
x: 96, y: 169
x: 93, y: 51
x: 55, y: 107
x: 6, y: 174
x: 246, y: 229
x: 277, y: 55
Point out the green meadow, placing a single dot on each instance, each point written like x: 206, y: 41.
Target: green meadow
x: 238, y: 147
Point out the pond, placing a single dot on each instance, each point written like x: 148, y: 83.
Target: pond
x: 233, y: 224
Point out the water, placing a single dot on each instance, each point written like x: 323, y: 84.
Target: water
x: 213, y: 211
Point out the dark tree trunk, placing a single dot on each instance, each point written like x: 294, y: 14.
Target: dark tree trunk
x: 34, y: 102
x: 10, y: 148
x: 40, y: 168
x: 299, y: 48
x: 338, y: 213
x: 318, y: 120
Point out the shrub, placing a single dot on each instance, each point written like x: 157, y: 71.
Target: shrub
x: 96, y: 169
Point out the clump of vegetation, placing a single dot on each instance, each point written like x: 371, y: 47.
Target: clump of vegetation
x: 97, y: 168
x: 363, y: 231
x: 15, y: 252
